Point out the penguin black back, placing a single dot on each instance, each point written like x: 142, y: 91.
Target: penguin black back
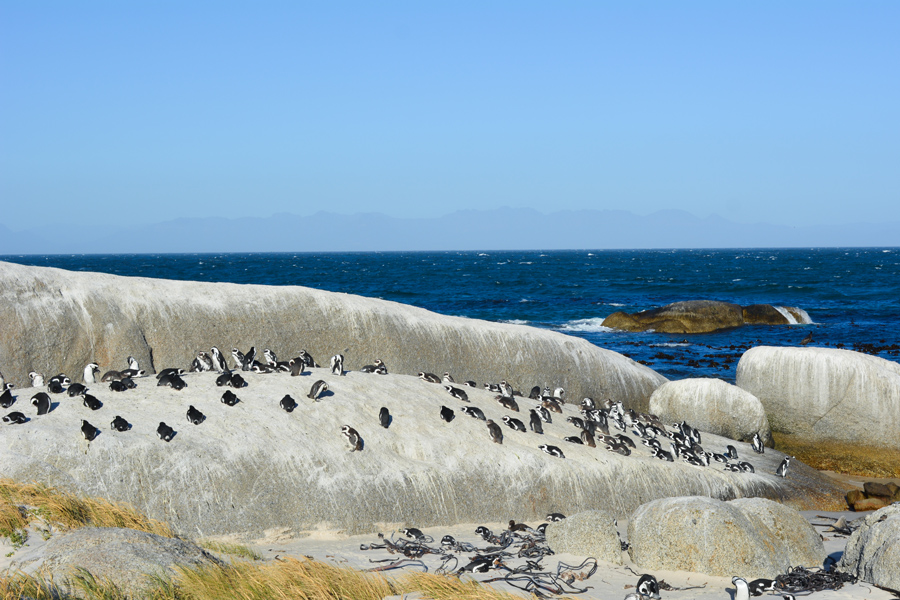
x: 384, y: 417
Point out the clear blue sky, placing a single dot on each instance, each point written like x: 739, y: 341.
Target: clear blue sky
x: 757, y: 111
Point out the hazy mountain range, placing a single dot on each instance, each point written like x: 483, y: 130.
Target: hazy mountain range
x: 498, y: 229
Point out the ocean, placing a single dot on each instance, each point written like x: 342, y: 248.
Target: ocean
x: 852, y: 295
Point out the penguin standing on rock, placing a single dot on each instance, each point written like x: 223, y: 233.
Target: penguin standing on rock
x: 757, y: 444
x: 535, y: 422
x: 317, y: 389
x: 337, y: 364
x: 6, y: 398
x: 352, y: 437
x: 90, y: 370
x: 384, y: 417
x: 742, y: 590
x: 781, y: 471
x: 495, y: 432
x: 41, y: 401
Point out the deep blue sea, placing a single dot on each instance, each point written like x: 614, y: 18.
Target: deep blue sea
x: 851, y: 295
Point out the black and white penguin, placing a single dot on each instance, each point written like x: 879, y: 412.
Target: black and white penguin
x: 555, y: 517
x: 37, y: 380
x: 308, y: 359
x: 447, y: 414
x: 742, y: 590
x: 544, y: 414
x: 662, y: 454
x: 337, y: 364
x: 505, y: 388
x: 781, y: 471
x: 572, y: 439
x: 560, y: 394
x: 515, y: 424
x: 373, y: 367
x: 429, y: 377
x: 731, y: 452
x: 579, y: 423
x: 133, y: 363
x: 495, y: 432
x: 551, y: 405
x: 89, y: 431
x: 457, y: 393
x: 120, y: 424
x: 470, y: 383
x: 474, y: 412
x: 91, y: 370
x: 117, y: 386
x: 41, y: 401
x: 229, y: 398
x: 297, y: 366
x: 353, y: 439
x: 287, y: 403
x: 758, y: 586
x: 384, y: 417
x: 204, y: 362
x: 76, y: 389
x: 648, y: 587
x: 223, y: 379
x: 271, y: 357
x: 61, y: 378
x: 238, y: 357
x: 412, y: 533
x: 91, y: 402
x: 508, y: 403
x: 130, y: 384
x: 129, y: 373
x: 173, y: 381
x: 6, y: 398
x: 169, y: 371
x: 218, y: 360
x: 588, y: 438
x: 112, y: 376
x: 447, y: 378
x: 746, y: 467
x: 624, y: 439
x: 534, y: 422
x: 757, y: 444
x: 195, y: 416
x: 535, y: 393
x: 248, y: 359
x: 317, y: 389
x: 55, y: 387
x: 165, y: 432
x: 236, y: 381
x: 552, y: 450
x: 15, y: 418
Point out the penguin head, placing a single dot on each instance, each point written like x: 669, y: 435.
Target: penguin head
x: 648, y: 586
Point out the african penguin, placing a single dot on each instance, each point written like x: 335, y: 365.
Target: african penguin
x: 758, y: 586
x: 117, y: 386
x: 552, y: 450
x: 544, y: 414
x: 495, y: 432
x: 238, y: 358
x: 552, y: 405
x: 337, y: 364
x: 165, y: 432
x: 731, y: 452
x: 555, y: 517
x: 514, y: 424
x: 15, y: 418
x: 195, y: 416
x: 317, y: 389
x: 573, y: 440
x: 89, y: 431
x: 236, y: 381
x: 384, y: 417
x: 535, y: 393
x: 248, y: 359
x: 76, y: 389
x: 412, y: 532
x: 297, y: 366
x: 429, y: 377
x: 37, y: 380
x: 223, y: 379
x: 111, y: 376
x: 742, y: 590
x: 781, y: 471
x: 534, y: 422
x: 219, y: 363
x: 352, y: 437
x: 6, y: 398
x: 588, y: 438
x: 757, y: 444
x: 648, y: 586
x: 447, y: 414
x: 474, y: 412
x: 55, y: 387
x: 270, y: 356
x: 746, y: 467
x: 470, y: 383
x: 133, y: 373
x: 91, y: 402
x: 457, y: 393
x: 172, y: 380
x: 229, y: 398
x: 120, y: 424
x: 505, y: 388
x: 169, y: 371
x: 447, y: 378
x: 90, y: 370
x: 508, y: 403
x: 373, y: 367
x: 287, y: 403
x: 42, y: 402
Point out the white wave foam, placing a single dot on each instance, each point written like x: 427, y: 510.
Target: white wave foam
x: 670, y: 345
x: 515, y: 322
x: 804, y: 318
x: 614, y: 304
x: 594, y: 325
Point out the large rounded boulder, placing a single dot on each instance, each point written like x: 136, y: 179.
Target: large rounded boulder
x: 750, y: 538
x: 694, y: 316
x: 824, y: 394
x: 714, y: 406
x: 588, y: 533
x: 873, y: 551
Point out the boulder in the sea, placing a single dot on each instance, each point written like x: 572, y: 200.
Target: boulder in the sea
x: 124, y: 557
x: 825, y: 394
x: 750, y: 538
x: 588, y: 533
x: 712, y: 405
x: 873, y: 550
x: 704, y: 316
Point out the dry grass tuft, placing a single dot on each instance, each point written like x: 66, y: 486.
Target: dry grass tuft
x: 441, y: 587
x: 841, y: 457
x: 19, y: 586
x: 70, y: 511
x: 238, y: 550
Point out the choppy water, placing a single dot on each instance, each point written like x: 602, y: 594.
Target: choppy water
x: 852, y: 295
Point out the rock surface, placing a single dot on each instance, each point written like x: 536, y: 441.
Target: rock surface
x: 750, y: 538
x: 252, y: 468
x: 704, y: 316
x: 588, y: 533
x: 873, y: 550
x: 123, y: 556
x: 59, y: 321
x: 714, y: 406
x: 826, y: 394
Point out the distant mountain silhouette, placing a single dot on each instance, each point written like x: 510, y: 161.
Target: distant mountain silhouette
x: 497, y: 229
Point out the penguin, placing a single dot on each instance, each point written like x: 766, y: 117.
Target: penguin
x: 731, y: 452
x: 165, y: 432
x: 271, y: 357
x: 55, y: 387
x: 746, y: 467
x: 514, y: 527
x: 91, y: 402
x: 195, y: 416
x: 457, y: 393
x: 757, y: 444
x: 647, y: 586
x: 337, y: 364
x: 130, y: 385
x: 42, y: 402
x: 373, y: 367
x: 15, y: 418
x: 89, y: 431
x: 229, y: 398
x: 6, y: 398
x: 627, y: 441
x: 168, y: 372
x: 205, y: 361
x: 474, y: 412
x: 663, y: 455
x: 552, y: 450
x: 470, y: 383
x: 173, y: 381
x: 76, y: 389
x: 758, y: 586
x: 508, y: 403
x: 238, y: 358
x: 297, y: 366
x: 579, y: 423
x: 588, y: 404
x: 552, y: 405
x: 560, y: 394
x: 495, y: 432
x: 573, y: 440
x: 447, y: 378
x: 287, y: 403
x: 317, y: 389
x: 413, y: 533
x: 486, y: 534
x: 223, y: 379
x: 429, y: 377
x: 534, y: 422
x: 742, y: 590
x: 384, y: 417
x: 248, y: 359
x: 492, y: 387
x: 37, y: 380
x: 781, y: 471
x: 133, y: 363
x: 352, y: 437
x: 111, y: 376
x: 588, y: 438
x: 90, y: 370
x: 236, y: 381
x: 542, y: 528
x: 514, y: 424
x: 308, y: 359
x: 120, y: 424
x: 544, y: 414
x: 505, y: 388
x: 555, y: 517
x: 133, y: 373
x: 535, y: 393
x: 447, y: 414
x: 218, y: 360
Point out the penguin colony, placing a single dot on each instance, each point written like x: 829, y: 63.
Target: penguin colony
x: 605, y: 425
